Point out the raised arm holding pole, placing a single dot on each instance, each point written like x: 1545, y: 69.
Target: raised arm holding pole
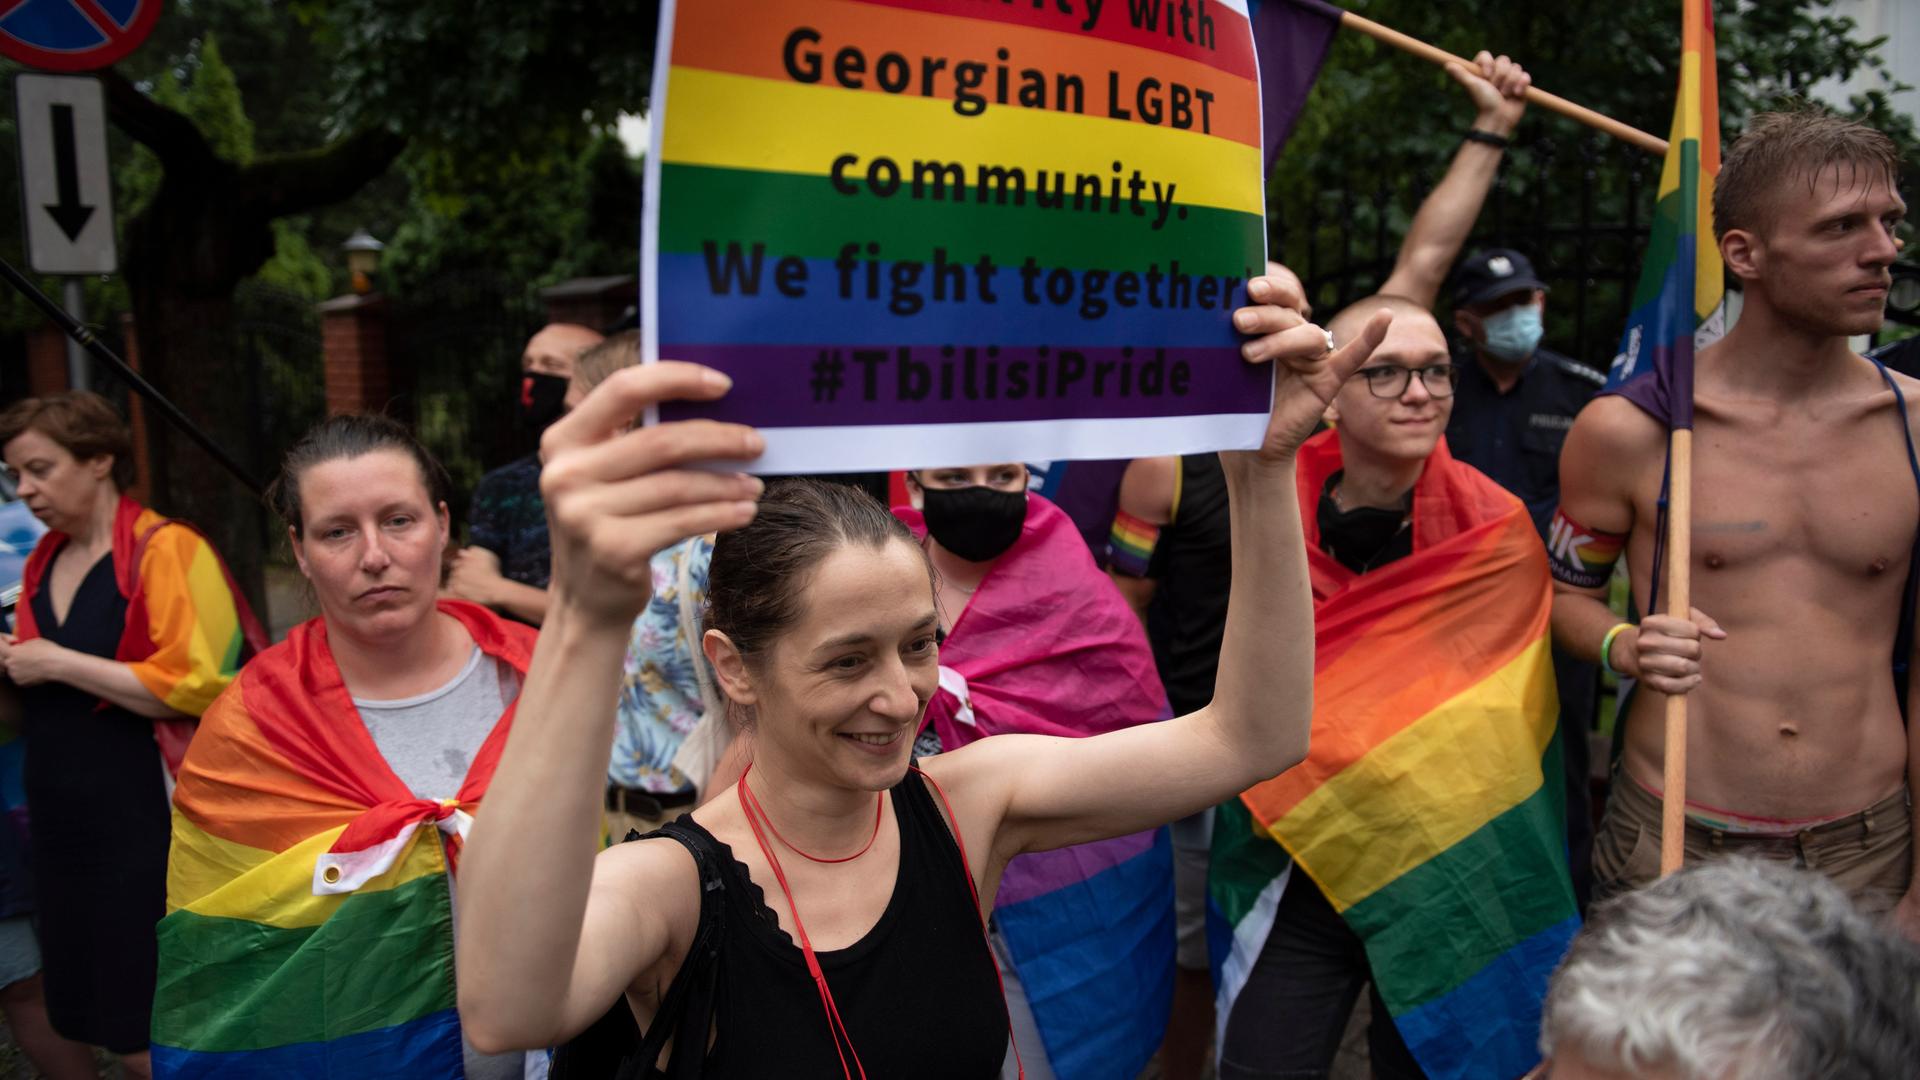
x: 1652, y: 144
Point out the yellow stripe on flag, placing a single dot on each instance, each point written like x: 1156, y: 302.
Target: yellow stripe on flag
x: 218, y: 625
x: 1408, y: 800
x: 219, y: 878
x: 739, y: 122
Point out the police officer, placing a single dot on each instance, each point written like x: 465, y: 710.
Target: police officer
x: 1511, y: 413
x: 1517, y: 398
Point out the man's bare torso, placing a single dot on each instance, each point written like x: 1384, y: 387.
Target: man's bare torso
x: 1804, y: 519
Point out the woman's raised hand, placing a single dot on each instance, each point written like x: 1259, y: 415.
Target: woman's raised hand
x: 1310, y: 373
x: 617, y: 493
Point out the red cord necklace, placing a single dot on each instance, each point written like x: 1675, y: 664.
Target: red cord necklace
x: 747, y: 796
x: 842, y: 1041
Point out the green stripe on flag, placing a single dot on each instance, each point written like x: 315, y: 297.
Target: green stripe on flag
x: 1499, y: 886
x: 384, y: 958
x: 230, y: 660
x: 1675, y: 214
x: 805, y: 216
x: 1244, y: 860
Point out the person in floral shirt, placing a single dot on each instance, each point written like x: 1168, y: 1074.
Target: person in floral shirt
x: 664, y: 694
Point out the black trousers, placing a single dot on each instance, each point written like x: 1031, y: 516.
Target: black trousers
x: 1579, y: 685
x: 1288, y: 1020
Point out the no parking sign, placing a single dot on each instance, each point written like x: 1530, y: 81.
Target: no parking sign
x: 74, y: 35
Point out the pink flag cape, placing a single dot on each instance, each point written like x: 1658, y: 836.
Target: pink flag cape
x: 1047, y: 646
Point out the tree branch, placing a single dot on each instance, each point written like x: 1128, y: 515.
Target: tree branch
x: 167, y: 133
x: 296, y: 182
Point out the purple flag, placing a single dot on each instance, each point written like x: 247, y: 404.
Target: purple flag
x: 1290, y: 40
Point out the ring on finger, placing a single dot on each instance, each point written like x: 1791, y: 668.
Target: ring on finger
x: 1329, y: 335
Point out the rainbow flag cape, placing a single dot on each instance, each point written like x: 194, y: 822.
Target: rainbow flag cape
x: 309, y: 927
x: 1679, y: 305
x: 188, y: 625
x: 1429, y: 810
x: 1047, y: 646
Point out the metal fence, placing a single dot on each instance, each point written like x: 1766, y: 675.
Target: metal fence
x: 1578, y: 207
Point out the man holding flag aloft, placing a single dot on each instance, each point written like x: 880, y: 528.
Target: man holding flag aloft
x: 1799, y: 540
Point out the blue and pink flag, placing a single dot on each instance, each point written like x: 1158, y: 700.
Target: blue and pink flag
x: 1047, y: 646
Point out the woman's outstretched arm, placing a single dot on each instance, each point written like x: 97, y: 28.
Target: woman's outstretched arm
x: 1034, y: 792
x: 550, y: 935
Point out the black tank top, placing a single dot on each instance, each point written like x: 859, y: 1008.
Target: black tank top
x: 1193, y: 563
x: 918, y: 994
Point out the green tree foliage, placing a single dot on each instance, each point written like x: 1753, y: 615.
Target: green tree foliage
x: 1380, y: 126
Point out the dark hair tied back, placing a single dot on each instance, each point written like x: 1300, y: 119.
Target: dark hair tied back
x: 753, y: 589
x: 350, y: 436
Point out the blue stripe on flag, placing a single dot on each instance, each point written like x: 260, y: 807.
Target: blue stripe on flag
x: 1664, y: 320
x: 427, y: 1047
x: 1489, y: 1025
x: 1096, y: 960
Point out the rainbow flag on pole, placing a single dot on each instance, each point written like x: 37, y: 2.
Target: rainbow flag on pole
x: 1679, y: 305
x: 1430, y: 808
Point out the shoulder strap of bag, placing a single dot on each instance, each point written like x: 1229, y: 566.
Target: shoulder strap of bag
x: 686, y: 1013
x: 614, y: 1046
x: 1903, y: 636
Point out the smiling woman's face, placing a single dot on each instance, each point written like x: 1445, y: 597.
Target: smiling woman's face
x: 840, y: 693
x: 371, y: 541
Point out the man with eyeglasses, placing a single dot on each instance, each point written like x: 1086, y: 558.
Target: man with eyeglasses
x: 1169, y: 550
x: 1391, y: 519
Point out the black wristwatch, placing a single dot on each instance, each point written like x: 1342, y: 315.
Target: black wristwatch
x: 1498, y: 142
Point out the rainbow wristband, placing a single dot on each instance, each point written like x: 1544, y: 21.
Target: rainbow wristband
x: 1606, y: 650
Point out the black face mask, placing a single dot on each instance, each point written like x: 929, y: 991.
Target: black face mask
x: 541, y: 399
x: 976, y: 523
x: 1365, y: 537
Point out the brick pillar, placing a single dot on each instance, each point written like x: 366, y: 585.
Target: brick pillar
x: 596, y: 302
x: 354, y: 346
x: 46, y: 360
x: 136, y: 414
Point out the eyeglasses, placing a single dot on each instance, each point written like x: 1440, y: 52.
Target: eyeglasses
x: 1391, y: 380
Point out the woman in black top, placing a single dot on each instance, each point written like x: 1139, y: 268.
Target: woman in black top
x: 821, y: 631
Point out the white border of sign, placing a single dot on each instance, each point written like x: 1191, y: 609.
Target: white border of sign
x: 899, y: 446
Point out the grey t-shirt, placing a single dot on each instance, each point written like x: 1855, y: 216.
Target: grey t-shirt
x: 429, y: 742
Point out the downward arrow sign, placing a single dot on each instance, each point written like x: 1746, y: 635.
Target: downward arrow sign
x: 68, y: 213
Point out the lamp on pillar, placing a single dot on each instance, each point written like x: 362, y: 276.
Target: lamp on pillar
x: 363, y: 259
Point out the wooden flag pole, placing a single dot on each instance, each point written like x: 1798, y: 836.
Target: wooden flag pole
x: 1673, y: 796
x: 1652, y: 144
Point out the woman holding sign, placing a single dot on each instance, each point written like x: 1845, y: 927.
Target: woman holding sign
x: 828, y: 913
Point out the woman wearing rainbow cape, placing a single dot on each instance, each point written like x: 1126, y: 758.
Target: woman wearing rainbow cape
x: 127, y: 627
x: 1039, y: 641
x: 826, y: 916
x: 320, y: 813
x: 1420, y: 846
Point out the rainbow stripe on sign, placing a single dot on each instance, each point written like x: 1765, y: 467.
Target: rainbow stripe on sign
x: 889, y: 213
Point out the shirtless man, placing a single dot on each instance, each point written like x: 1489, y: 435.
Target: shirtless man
x: 1803, y: 522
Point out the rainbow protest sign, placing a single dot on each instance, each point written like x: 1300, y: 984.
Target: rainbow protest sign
x: 948, y: 231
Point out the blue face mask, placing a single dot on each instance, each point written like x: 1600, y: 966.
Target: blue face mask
x: 1513, y: 334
